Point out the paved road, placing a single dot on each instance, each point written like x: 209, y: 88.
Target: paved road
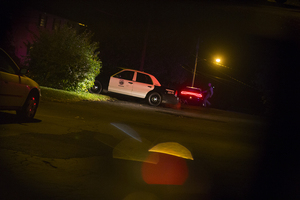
x: 77, y: 151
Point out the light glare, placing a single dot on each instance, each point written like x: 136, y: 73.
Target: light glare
x: 172, y: 148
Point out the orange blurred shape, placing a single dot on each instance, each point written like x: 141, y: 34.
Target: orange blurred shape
x: 169, y: 170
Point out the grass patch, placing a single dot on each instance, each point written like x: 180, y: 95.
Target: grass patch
x: 50, y: 94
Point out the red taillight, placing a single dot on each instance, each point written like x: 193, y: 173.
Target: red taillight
x: 198, y: 95
x: 176, y: 93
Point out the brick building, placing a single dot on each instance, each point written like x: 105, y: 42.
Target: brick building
x: 28, y: 22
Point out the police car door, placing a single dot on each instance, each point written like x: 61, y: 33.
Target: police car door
x: 121, y: 82
x: 142, y: 85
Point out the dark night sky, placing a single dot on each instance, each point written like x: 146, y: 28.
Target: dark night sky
x: 223, y: 29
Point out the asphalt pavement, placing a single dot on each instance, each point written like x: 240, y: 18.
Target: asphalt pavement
x: 72, y: 151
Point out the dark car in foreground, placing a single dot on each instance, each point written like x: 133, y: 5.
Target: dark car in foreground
x: 17, y: 92
x: 135, y: 83
x: 190, y: 95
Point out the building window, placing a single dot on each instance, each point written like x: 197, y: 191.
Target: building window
x: 81, y: 24
x: 43, y: 20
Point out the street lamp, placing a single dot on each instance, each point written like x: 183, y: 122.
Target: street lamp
x: 218, y: 62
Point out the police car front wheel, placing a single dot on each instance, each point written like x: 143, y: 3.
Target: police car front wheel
x: 97, y: 88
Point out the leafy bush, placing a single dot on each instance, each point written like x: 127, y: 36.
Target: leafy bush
x: 64, y: 59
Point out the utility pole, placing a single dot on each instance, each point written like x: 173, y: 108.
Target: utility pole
x: 196, y: 61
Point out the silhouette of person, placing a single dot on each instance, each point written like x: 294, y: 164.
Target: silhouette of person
x: 209, y: 92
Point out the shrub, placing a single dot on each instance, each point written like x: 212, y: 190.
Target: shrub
x: 63, y: 59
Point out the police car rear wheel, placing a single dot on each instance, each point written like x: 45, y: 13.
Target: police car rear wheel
x: 154, y: 99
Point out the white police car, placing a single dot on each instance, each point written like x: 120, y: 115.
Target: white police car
x: 136, y: 84
x: 17, y: 92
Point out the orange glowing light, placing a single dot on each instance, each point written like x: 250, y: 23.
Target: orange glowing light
x: 169, y: 170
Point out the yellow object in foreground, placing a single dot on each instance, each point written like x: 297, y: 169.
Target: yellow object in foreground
x: 172, y: 148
